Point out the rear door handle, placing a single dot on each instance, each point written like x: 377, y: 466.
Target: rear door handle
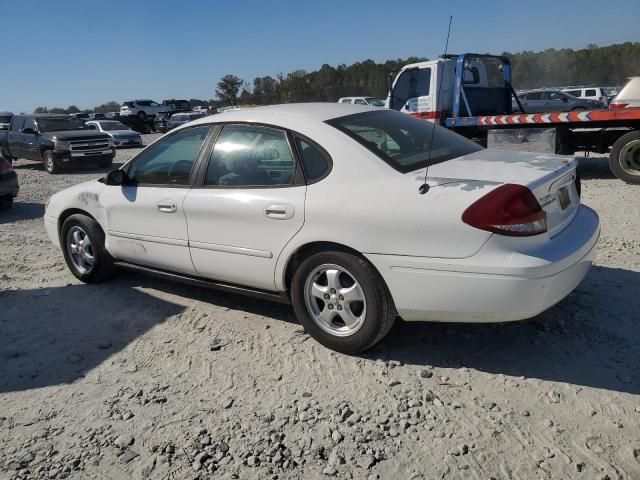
x: 279, y: 211
x: 167, y: 206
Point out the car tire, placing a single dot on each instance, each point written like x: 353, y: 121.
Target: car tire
x: 141, y: 115
x: 6, y: 203
x: 88, y: 261
x: 624, y: 159
x: 50, y: 163
x: 366, y: 305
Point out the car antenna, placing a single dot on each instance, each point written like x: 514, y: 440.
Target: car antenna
x: 424, y: 188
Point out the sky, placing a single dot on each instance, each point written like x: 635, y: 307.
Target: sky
x: 85, y: 53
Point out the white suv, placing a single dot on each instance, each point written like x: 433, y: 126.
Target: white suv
x: 141, y: 108
x: 590, y: 93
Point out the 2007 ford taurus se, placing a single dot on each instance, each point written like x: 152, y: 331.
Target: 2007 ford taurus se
x: 332, y: 208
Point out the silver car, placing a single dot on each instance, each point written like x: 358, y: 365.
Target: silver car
x: 541, y: 101
x: 122, y: 135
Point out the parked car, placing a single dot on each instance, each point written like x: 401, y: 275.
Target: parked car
x: 5, y: 120
x: 81, y: 115
x: 178, y: 119
x: 542, y: 101
x: 122, y: 135
x: 8, y: 182
x: 160, y: 122
x: 374, y: 102
x: 629, y: 95
x: 284, y: 202
x: 141, y: 109
x: 174, y: 105
x: 58, y: 141
x: 598, y: 94
x: 97, y: 116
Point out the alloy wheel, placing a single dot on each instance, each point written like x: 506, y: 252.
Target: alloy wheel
x: 335, y: 300
x: 630, y: 158
x: 80, y: 249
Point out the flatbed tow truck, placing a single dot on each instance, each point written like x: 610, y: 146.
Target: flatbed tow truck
x: 472, y: 94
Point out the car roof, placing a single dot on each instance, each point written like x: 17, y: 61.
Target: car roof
x: 6, y: 114
x: 313, y: 111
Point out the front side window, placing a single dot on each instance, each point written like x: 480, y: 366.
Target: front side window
x: 590, y: 93
x: 411, y: 84
x: 346, y: 100
x: 360, y: 101
x: 555, y: 96
x: 30, y: 123
x: 170, y: 161
x: 16, y: 124
x: 251, y: 156
x: 404, y: 142
x: 533, y: 96
x: 573, y: 93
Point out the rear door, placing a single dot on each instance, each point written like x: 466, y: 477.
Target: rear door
x: 534, y: 103
x: 248, y: 203
x: 15, y: 136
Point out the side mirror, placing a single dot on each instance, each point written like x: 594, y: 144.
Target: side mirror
x: 29, y: 131
x: 116, y: 177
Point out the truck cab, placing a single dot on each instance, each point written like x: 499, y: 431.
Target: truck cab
x: 458, y: 85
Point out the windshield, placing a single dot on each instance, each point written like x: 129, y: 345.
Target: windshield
x: 60, y: 124
x: 404, y: 142
x: 376, y: 102
x: 110, y: 126
x: 4, y: 119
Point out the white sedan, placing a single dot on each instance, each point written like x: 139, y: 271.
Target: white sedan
x: 122, y: 135
x: 345, y: 211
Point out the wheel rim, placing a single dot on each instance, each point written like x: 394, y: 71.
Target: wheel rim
x: 335, y: 300
x: 630, y: 158
x: 48, y: 162
x: 80, y: 249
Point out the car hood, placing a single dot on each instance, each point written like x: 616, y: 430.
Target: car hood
x: 495, y: 166
x: 123, y: 133
x: 75, y: 135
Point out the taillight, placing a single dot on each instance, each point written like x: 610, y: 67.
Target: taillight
x: 5, y: 166
x: 508, y: 210
x: 578, y: 185
x: 618, y: 105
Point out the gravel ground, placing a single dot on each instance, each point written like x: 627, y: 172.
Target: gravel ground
x: 142, y: 378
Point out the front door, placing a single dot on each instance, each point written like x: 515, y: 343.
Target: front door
x: 30, y: 148
x: 249, y: 204
x: 146, y: 219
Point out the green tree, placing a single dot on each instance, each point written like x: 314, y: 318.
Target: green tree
x: 111, y: 106
x: 228, y: 88
x: 40, y: 110
x: 72, y: 109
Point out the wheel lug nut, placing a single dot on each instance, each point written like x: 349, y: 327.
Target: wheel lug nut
x: 326, y: 296
x: 333, y: 290
x: 341, y: 297
x: 330, y: 306
x: 339, y: 307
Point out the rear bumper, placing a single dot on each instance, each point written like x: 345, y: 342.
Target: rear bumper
x: 498, y: 284
x: 9, y: 185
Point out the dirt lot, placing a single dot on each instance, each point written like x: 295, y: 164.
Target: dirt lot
x: 141, y: 378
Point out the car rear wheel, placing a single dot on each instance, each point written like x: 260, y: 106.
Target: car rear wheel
x: 50, y: 162
x: 624, y: 159
x: 342, y: 301
x: 82, y: 242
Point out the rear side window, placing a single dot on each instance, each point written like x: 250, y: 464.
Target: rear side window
x: 16, y: 124
x: 533, y: 96
x: 251, y: 156
x: 411, y: 84
x: 316, y: 163
x: 346, y: 100
x: 404, y: 142
x: 360, y: 101
x: 590, y: 93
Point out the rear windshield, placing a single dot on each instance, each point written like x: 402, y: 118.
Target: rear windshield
x: 5, y: 119
x: 127, y: 104
x: 109, y: 126
x: 404, y: 142
x: 60, y: 124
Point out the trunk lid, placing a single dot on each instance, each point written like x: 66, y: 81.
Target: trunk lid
x: 551, y: 178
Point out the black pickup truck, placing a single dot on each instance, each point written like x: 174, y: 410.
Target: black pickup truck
x: 58, y: 141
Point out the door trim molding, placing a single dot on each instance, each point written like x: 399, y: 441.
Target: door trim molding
x: 230, y: 249
x: 149, y: 238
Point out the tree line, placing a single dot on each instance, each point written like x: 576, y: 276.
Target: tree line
x: 602, y: 66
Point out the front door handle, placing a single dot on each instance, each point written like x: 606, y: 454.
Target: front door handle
x: 279, y: 211
x: 167, y: 206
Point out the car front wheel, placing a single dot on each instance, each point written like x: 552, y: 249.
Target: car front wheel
x: 82, y: 242
x: 50, y: 162
x: 342, y: 301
